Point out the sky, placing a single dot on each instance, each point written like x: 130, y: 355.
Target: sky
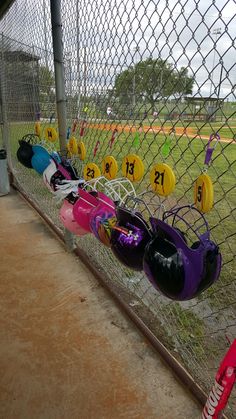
x: 111, y: 35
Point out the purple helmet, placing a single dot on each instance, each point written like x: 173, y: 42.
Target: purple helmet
x: 129, y: 238
x: 177, y: 270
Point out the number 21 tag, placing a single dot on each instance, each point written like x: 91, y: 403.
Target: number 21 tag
x: 162, y: 179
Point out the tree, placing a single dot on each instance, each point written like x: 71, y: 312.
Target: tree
x: 46, y: 80
x: 46, y: 85
x: 151, y: 80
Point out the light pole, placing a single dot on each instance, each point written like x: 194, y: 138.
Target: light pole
x: 68, y: 81
x: 216, y: 31
x: 79, y: 82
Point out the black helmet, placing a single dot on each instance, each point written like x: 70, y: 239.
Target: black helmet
x: 25, y: 151
x: 181, y: 271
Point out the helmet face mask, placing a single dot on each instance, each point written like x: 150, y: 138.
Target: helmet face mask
x: 180, y: 271
x: 119, y: 189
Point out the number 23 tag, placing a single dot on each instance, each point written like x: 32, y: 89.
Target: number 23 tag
x: 91, y: 171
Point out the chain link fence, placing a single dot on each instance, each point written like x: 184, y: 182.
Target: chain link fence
x: 152, y: 71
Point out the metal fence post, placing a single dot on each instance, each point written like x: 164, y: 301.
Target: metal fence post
x: 4, y: 121
x: 60, y: 87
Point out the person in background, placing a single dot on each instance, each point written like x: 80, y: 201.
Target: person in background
x: 109, y: 112
x: 155, y: 114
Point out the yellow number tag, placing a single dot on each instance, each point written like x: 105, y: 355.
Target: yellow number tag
x: 109, y: 167
x: 37, y: 129
x: 203, y: 193
x: 72, y: 146
x: 51, y: 134
x: 162, y: 179
x: 81, y: 150
x: 91, y: 171
x: 132, y: 167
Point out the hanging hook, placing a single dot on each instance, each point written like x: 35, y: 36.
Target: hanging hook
x: 210, y: 150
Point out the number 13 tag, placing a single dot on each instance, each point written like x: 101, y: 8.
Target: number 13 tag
x: 162, y: 179
x: 132, y: 167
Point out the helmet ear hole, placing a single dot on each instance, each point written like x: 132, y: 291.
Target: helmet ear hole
x: 195, y: 245
x: 163, y: 266
x: 211, y: 273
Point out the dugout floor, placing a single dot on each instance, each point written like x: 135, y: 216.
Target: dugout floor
x: 66, y: 349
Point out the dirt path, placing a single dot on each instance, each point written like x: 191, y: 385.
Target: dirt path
x: 179, y: 131
x: 67, y: 352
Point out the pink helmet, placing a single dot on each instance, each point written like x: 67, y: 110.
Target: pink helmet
x: 103, y: 218
x: 67, y: 217
x: 85, y: 203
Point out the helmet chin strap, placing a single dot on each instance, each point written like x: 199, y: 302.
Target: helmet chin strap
x: 65, y: 187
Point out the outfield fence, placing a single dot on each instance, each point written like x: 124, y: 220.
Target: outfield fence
x: 151, y: 71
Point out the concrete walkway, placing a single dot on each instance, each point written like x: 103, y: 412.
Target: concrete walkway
x: 66, y: 349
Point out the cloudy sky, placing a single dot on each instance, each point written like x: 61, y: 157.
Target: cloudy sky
x: 110, y: 35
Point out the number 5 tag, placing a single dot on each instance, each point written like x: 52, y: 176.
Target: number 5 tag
x: 203, y: 193
x: 203, y: 187
x: 162, y: 179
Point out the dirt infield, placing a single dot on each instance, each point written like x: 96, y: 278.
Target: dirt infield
x: 129, y: 128
x: 144, y: 128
